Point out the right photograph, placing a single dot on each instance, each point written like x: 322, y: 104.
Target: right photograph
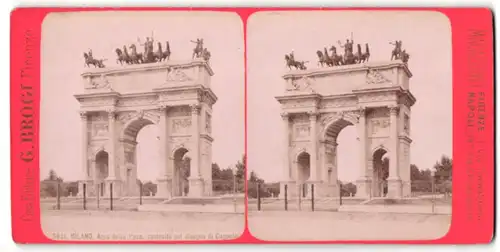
x: 349, y: 125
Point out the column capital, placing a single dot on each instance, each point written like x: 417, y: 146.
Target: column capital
x: 84, y: 115
x: 195, y: 109
x: 362, y: 110
x: 111, y: 113
x: 162, y: 107
x: 285, y: 115
x: 313, y: 116
x: 394, y: 109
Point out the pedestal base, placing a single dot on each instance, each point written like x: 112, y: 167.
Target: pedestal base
x: 394, y: 188
x: 164, y: 188
x: 195, y: 187
x: 363, y: 188
x: 326, y: 190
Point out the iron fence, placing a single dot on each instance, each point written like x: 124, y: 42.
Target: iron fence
x: 103, y: 196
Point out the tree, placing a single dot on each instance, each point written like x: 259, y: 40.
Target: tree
x: 348, y: 189
x: 241, y: 168
x: 149, y: 188
x: 443, y: 169
x: 48, y: 186
x: 253, y: 186
x: 443, y: 175
x: 216, y: 171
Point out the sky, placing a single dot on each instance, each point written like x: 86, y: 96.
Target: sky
x: 65, y: 36
x: 426, y: 37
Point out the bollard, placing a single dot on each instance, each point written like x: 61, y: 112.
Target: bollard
x: 84, y: 196
x: 286, y: 197
x: 300, y: 198
x: 258, y: 196
x: 111, y: 196
x: 340, y: 194
x: 140, y: 193
x: 58, y: 195
x: 304, y: 191
x: 312, y: 197
x: 98, y: 194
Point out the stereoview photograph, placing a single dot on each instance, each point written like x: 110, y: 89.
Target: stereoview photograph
x: 142, y: 126
x: 349, y: 125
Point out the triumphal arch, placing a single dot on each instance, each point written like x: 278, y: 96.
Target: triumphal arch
x: 318, y: 103
x: 118, y: 102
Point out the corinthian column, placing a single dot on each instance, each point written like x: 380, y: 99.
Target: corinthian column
x: 394, y: 181
x: 393, y: 138
x: 195, y: 180
x: 162, y: 128
x: 286, y: 146
x: 314, y: 147
x: 362, y: 143
x: 363, y: 183
x: 195, y: 133
x: 112, y: 145
x: 85, y: 147
x: 164, y: 186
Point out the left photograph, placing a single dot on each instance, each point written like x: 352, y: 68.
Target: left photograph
x: 142, y: 126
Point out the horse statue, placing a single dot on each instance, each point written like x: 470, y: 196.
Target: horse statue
x: 396, y: 52
x: 358, y: 54
x: 198, y: 50
x: 166, y: 54
x: 290, y: 62
x: 365, y: 57
x: 89, y: 60
x: 121, y: 57
x: 405, y: 56
x: 126, y: 55
x: 158, y: 55
x: 302, y: 65
x: 135, y: 57
x: 323, y: 58
x: 206, y: 55
x: 337, y: 59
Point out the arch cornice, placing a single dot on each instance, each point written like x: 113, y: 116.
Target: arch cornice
x: 95, y: 151
x: 299, y: 152
x: 377, y: 148
x: 331, y: 118
x: 133, y: 117
x: 176, y: 148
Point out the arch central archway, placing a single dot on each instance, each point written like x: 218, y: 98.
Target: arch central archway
x: 128, y: 151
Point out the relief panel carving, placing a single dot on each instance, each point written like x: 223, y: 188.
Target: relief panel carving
x: 179, y: 75
x: 137, y: 101
x: 208, y: 123
x: 379, y: 126
x: 302, y: 131
x: 179, y: 111
x: 100, y: 130
x: 406, y: 124
x: 129, y: 157
x: 181, y: 126
x: 301, y: 118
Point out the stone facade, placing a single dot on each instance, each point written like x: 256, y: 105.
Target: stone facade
x: 117, y: 103
x: 318, y: 103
